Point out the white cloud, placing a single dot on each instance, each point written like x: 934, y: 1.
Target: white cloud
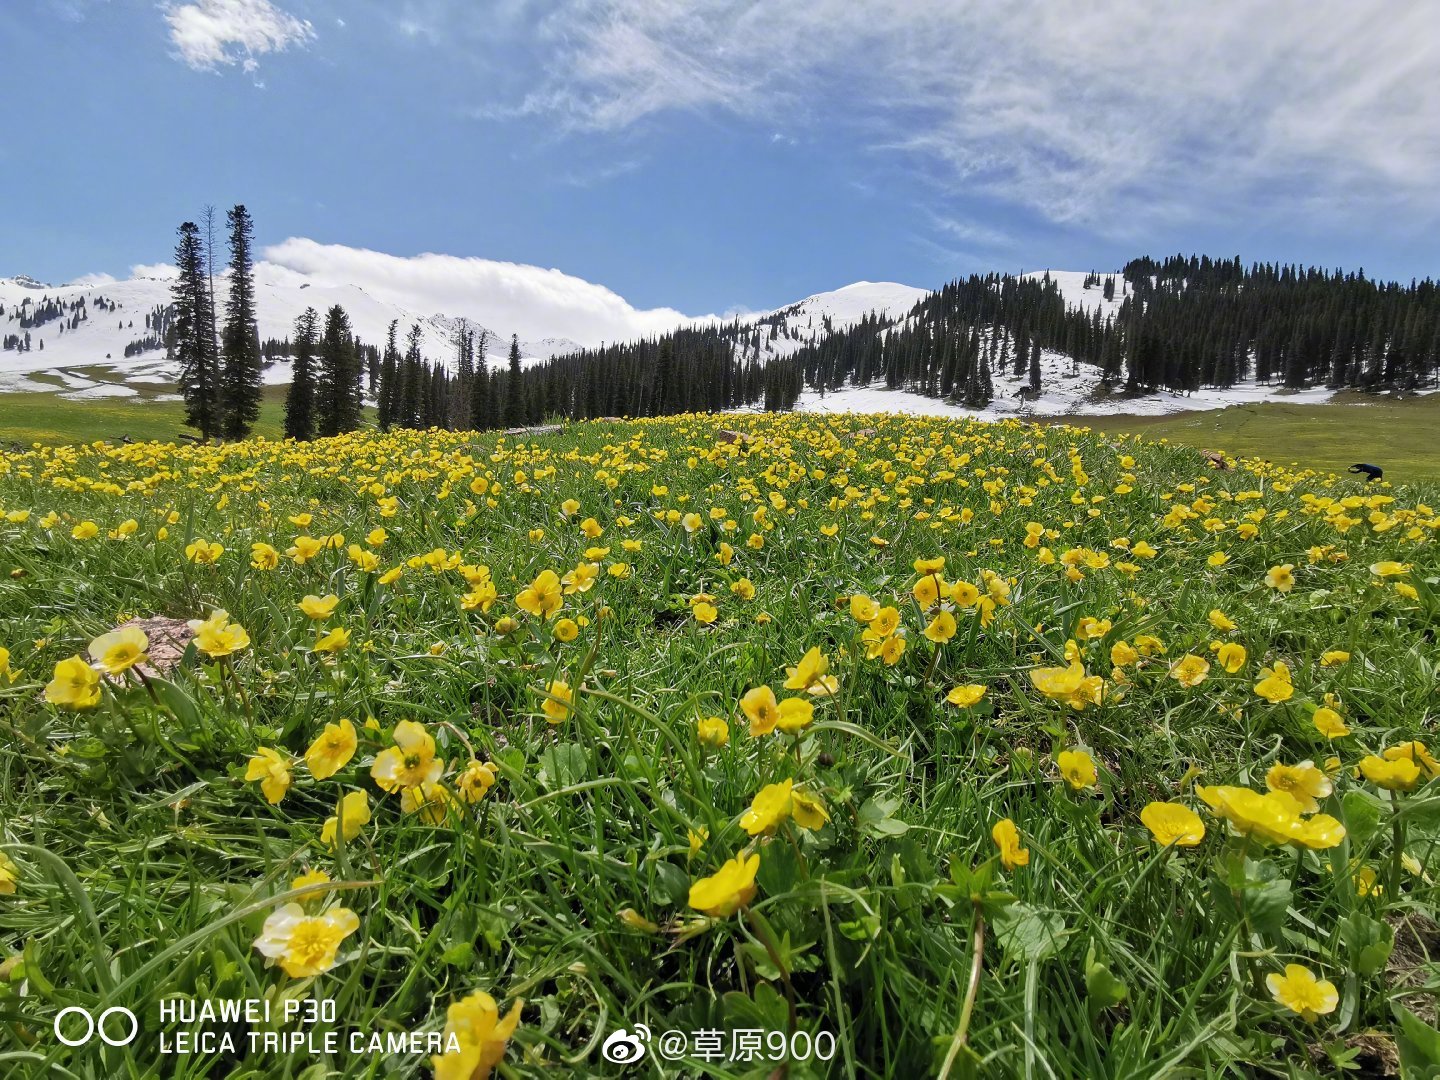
x: 1099, y: 114
x: 529, y: 300
x: 161, y: 271
x: 93, y: 280
x: 210, y: 33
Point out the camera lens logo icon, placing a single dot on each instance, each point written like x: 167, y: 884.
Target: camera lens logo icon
x: 94, y: 1025
x: 623, y: 1048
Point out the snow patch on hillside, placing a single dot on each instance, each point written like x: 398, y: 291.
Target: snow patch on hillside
x: 1067, y: 390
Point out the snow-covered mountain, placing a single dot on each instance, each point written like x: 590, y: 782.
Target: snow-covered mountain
x: 81, y: 352
x: 786, y: 330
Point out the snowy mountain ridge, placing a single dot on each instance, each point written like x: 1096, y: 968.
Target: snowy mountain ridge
x: 80, y: 351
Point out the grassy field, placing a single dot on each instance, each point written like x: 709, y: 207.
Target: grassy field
x: 27, y: 418
x: 1402, y: 437
x: 850, y: 746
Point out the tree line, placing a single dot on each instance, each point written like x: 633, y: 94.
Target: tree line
x: 1179, y: 324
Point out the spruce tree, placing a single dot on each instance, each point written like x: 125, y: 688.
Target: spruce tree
x: 240, y: 378
x: 300, y: 399
x: 337, y: 397
x: 389, y: 378
x: 199, y: 379
x: 515, y: 411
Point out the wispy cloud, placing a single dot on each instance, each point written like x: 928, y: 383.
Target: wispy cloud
x: 1094, y: 114
x: 213, y: 33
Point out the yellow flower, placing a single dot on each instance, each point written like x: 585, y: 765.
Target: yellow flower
x: 1007, y: 839
x: 1281, y: 578
x: 475, y: 1023
x: 1220, y: 621
x: 1333, y: 657
x: 1416, y: 752
x: 928, y: 589
x: 1149, y: 646
x: 1190, y: 670
x: 1275, y: 685
x: 1401, y: 774
x: 892, y: 648
x: 1304, y: 782
x: 76, y: 685
x: 862, y: 608
x: 311, y: 877
x: 305, y: 945
x: 1078, y: 769
x: 712, y: 731
x: 332, y: 641
x: 86, y: 530
x: 353, y: 816
x: 477, y: 778
x: 272, y: 770
x: 768, y: 809
x: 332, y: 750
x: 1389, y: 568
x: 1231, y: 656
x: 542, y: 597
x: 1301, y: 992
x: 202, y: 552
x: 430, y: 801
x: 941, y: 628
x: 1069, y: 684
x: 705, y: 613
x: 217, y: 636
x: 965, y: 696
x: 796, y: 714
x: 580, y: 579
x: 1123, y: 654
x: 963, y: 594
x: 1172, y: 823
x: 304, y: 549
x: 808, y: 811
x: 761, y: 709
x: 410, y: 761
x: 565, y: 630
x: 1217, y: 558
x: 119, y: 650
x: 9, y: 875
x: 556, y: 705
x: 1057, y: 682
x: 744, y: 589
x: 886, y: 621
x: 1273, y: 817
x: 319, y: 607
x: 264, y: 557
x: 1329, y: 723
x: 728, y: 889
x: 810, y: 674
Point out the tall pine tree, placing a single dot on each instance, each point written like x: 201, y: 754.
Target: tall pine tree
x: 515, y: 411
x: 300, y: 400
x: 240, y: 380
x: 337, y: 397
x: 194, y: 343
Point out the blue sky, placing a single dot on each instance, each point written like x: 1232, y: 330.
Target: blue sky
x: 721, y: 156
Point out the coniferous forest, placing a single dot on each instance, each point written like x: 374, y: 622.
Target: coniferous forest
x: 1178, y: 325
